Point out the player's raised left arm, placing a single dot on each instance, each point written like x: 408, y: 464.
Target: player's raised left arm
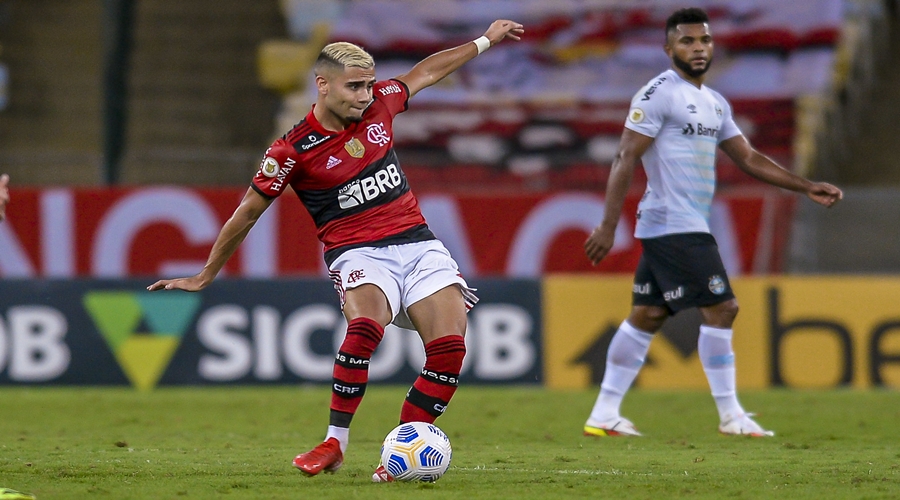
x: 760, y: 166
x: 435, y: 67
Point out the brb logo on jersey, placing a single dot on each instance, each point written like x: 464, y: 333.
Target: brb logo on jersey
x: 377, y: 135
x: 368, y: 188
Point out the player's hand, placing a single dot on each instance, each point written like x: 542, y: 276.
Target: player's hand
x: 192, y: 284
x: 502, y: 28
x: 599, y: 243
x: 4, y: 195
x: 824, y: 194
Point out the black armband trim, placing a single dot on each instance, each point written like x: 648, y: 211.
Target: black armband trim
x: 261, y: 193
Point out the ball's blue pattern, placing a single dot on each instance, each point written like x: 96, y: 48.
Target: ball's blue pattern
x: 430, y: 457
x: 396, y: 465
x: 407, y: 434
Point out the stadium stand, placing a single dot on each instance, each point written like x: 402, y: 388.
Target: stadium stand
x: 196, y: 112
x: 543, y: 114
x: 859, y: 116
x: 4, y: 84
x: 51, y: 130
x: 200, y: 108
x: 855, y: 135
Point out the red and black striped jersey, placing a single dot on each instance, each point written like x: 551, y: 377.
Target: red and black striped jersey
x: 350, y: 181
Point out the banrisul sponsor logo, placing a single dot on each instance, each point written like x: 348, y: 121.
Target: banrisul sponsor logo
x: 700, y: 130
x: 143, y: 330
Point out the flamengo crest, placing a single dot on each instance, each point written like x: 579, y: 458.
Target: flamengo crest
x: 377, y: 135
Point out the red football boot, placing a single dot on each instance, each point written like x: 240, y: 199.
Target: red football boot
x: 327, y: 456
x: 381, y: 476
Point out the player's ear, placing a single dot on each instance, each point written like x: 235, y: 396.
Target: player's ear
x: 322, y: 84
x: 667, y: 47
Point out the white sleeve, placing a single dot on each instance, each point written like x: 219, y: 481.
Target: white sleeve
x: 649, y: 108
x: 728, y: 128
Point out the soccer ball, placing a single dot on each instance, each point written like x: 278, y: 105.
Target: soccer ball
x: 416, y: 451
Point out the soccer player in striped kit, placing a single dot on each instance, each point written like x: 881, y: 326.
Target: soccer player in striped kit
x: 674, y: 126
x: 386, y: 264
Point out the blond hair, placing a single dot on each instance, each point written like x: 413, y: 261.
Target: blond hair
x: 340, y: 55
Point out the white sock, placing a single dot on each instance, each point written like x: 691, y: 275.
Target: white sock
x: 717, y: 357
x: 624, y: 360
x: 342, y: 434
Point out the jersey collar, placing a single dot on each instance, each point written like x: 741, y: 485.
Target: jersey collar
x: 681, y: 79
x: 317, y: 126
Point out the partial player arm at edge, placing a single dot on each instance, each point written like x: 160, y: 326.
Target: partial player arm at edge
x: 4, y: 195
x: 632, y: 146
x: 761, y: 167
x: 230, y: 237
x: 437, y: 66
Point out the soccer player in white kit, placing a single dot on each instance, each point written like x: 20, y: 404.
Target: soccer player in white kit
x: 674, y: 126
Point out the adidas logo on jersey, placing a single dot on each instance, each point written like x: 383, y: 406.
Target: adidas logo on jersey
x: 332, y: 162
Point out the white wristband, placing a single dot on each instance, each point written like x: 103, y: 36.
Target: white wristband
x: 482, y: 43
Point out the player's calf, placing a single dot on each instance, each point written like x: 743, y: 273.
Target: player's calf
x: 431, y: 393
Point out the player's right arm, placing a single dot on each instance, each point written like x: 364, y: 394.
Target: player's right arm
x: 230, y: 237
x: 631, y: 147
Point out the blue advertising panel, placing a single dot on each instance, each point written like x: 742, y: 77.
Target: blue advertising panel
x: 114, y: 332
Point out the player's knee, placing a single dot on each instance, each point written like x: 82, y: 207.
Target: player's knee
x: 446, y: 353
x: 453, y: 345
x: 721, y: 315
x: 648, y: 318
x: 731, y: 309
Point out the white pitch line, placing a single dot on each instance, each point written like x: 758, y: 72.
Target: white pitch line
x: 613, y: 472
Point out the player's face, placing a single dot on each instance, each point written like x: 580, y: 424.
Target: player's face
x: 349, y: 93
x: 691, y: 47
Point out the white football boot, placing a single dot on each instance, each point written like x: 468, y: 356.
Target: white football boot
x: 619, y: 426
x: 743, y: 425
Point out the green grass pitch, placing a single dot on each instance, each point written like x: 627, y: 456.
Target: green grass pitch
x: 508, y: 442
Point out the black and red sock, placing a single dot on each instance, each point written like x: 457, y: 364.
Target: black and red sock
x: 351, y: 369
x: 431, y: 393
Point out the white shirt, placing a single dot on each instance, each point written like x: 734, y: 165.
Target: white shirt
x: 687, y: 124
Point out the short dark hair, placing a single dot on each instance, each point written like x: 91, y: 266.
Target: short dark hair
x: 692, y: 15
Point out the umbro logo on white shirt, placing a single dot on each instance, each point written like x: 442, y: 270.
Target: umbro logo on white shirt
x: 332, y: 162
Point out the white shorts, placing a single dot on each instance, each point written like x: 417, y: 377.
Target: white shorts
x: 405, y: 273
